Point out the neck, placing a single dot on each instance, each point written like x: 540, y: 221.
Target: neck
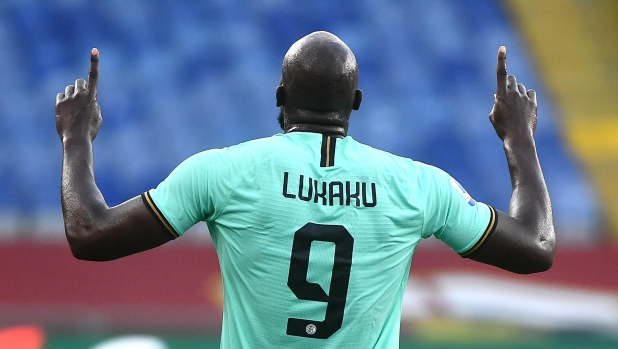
x: 337, y: 131
x: 329, y: 123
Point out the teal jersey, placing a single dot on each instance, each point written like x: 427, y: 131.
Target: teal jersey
x: 315, y: 235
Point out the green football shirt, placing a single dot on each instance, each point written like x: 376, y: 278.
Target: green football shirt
x: 315, y: 235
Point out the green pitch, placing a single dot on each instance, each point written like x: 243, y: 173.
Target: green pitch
x: 555, y: 341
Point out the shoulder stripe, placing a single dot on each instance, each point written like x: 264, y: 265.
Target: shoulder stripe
x: 493, y: 220
x: 152, y: 207
x: 327, y: 152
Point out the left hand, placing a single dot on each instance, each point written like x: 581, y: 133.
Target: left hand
x: 77, y: 111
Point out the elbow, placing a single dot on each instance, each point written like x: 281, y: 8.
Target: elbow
x: 83, y: 244
x: 536, y: 267
x: 543, y: 263
x: 78, y: 242
x: 80, y: 251
x: 80, y: 254
x: 542, y: 258
x: 87, y: 252
x: 547, y: 258
x: 87, y: 230
x: 547, y: 250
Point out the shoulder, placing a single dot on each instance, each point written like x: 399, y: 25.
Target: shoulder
x: 383, y: 159
x: 370, y: 153
x: 244, y: 149
x: 275, y: 143
x: 234, y: 160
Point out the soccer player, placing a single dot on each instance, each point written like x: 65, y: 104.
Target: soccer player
x: 314, y: 231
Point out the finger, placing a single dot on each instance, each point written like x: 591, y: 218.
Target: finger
x: 93, y: 75
x: 532, y: 95
x: 511, y: 82
x: 501, y: 74
x: 68, y: 91
x: 521, y: 88
x: 80, y: 86
x: 59, y: 97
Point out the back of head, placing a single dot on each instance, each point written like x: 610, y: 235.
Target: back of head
x: 320, y: 74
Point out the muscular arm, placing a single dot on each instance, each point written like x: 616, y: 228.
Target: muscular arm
x: 94, y: 230
x: 524, y: 240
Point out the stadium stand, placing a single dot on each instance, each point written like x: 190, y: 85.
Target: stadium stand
x: 584, y: 35
x: 180, y: 77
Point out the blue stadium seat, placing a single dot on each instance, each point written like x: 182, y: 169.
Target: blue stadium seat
x: 177, y: 78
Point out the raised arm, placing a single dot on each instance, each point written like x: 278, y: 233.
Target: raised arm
x: 94, y: 230
x: 524, y: 240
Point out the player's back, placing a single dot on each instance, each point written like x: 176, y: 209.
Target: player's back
x: 315, y: 241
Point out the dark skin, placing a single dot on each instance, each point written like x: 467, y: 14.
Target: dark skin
x: 94, y: 230
x: 313, y: 98
x: 524, y: 240
x: 318, y: 95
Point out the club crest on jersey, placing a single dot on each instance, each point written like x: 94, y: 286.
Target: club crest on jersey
x: 463, y: 192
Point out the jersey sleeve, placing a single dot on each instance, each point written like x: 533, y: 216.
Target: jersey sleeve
x: 453, y: 216
x: 193, y: 192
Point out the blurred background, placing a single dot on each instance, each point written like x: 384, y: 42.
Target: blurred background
x: 178, y: 77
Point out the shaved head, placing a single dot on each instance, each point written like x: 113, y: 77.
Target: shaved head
x: 321, y: 73
x: 319, y: 76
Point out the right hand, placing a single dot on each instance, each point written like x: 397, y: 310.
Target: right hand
x: 77, y: 111
x: 514, y: 113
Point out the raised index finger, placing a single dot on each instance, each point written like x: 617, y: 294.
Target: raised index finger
x: 93, y: 75
x: 501, y: 73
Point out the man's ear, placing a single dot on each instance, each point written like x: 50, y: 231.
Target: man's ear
x: 358, y: 97
x: 280, y: 94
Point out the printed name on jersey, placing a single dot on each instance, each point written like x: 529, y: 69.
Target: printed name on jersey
x: 331, y: 193
x: 463, y: 192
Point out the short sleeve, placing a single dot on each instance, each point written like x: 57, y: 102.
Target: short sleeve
x: 453, y: 216
x: 191, y: 193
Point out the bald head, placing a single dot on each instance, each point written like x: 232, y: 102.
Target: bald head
x: 319, y: 74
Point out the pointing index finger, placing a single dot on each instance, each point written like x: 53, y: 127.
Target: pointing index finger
x: 501, y: 73
x: 93, y: 75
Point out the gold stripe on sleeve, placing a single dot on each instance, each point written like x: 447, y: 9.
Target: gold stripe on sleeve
x: 152, y: 207
x: 490, y: 228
